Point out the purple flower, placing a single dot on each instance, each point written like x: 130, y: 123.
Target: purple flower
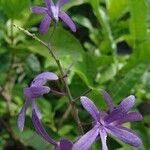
x: 110, y: 123
x: 52, y: 11
x: 36, y: 89
x: 63, y: 144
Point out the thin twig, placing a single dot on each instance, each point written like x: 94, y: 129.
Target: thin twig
x: 71, y: 101
x: 85, y: 93
x: 57, y: 93
x: 65, y: 115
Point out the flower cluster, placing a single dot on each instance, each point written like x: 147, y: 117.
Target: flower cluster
x: 36, y: 89
x: 110, y: 123
x: 105, y: 123
x: 52, y: 12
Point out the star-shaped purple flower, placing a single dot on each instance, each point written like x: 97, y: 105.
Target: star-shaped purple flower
x: 63, y: 144
x: 52, y: 11
x: 35, y: 90
x: 110, y: 123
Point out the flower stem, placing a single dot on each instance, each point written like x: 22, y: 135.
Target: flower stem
x: 67, y: 90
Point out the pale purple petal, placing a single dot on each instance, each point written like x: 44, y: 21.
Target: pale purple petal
x: 49, y: 3
x: 64, y: 145
x: 125, y: 135
x: 35, y: 107
x: 108, y: 100
x: 85, y: 142
x: 67, y: 20
x: 103, y: 136
x: 60, y: 3
x: 39, y: 10
x: 90, y: 107
x: 21, y: 117
x: 35, y: 91
x: 40, y: 129
x: 130, y: 117
x: 122, y: 109
x: 45, y: 24
x: 42, y: 78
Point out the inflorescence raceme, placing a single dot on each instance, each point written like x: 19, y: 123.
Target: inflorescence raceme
x: 105, y: 123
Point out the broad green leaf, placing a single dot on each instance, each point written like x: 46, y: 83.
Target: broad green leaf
x: 33, y: 63
x: 107, y: 74
x: 103, y: 20
x: 138, y: 24
x: 87, y: 69
x: 72, y: 3
x: 120, y: 88
x: 65, y: 46
x: 77, y: 86
x: 116, y: 8
x: 140, y: 54
x: 65, y: 130
x: 14, y: 8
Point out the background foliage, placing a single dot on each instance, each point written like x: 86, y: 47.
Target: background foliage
x: 110, y: 50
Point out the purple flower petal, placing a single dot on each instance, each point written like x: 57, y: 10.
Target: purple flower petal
x: 60, y: 3
x: 85, y: 142
x: 125, y: 135
x: 108, y: 100
x: 35, y: 91
x: 39, y: 10
x: 67, y: 20
x: 49, y: 3
x: 130, y: 117
x: 35, y: 107
x: 90, y: 107
x: 64, y: 145
x: 122, y: 109
x: 42, y: 78
x: 45, y: 24
x: 103, y: 136
x: 21, y: 117
x: 40, y: 129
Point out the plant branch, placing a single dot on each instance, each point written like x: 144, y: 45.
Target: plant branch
x: 71, y: 101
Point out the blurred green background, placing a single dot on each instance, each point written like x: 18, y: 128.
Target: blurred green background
x: 110, y: 50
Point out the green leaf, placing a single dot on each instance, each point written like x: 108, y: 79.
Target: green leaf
x: 87, y: 69
x: 108, y: 74
x: 140, y: 54
x: 138, y: 20
x: 33, y: 63
x: 77, y: 86
x: 14, y: 8
x: 65, y: 130
x: 65, y: 46
x: 116, y: 8
x: 120, y: 88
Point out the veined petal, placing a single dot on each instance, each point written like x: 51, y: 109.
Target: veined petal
x: 108, y: 100
x: 35, y: 91
x: 103, y: 136
x: 45, y: 24
x: 125, y: 135
x: 121, y: 110
x: 90, y: 107
x: 60, y: 3
x: 49, y: 3
x: 130, y: 117
x: 35, y: 107
x: 42, y: 78
x: 67, y: 20
x: 85, y: 142
x: 21, y: 117
x: 38, y: 10
x: 40, y: 129
x: 64, y: 145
